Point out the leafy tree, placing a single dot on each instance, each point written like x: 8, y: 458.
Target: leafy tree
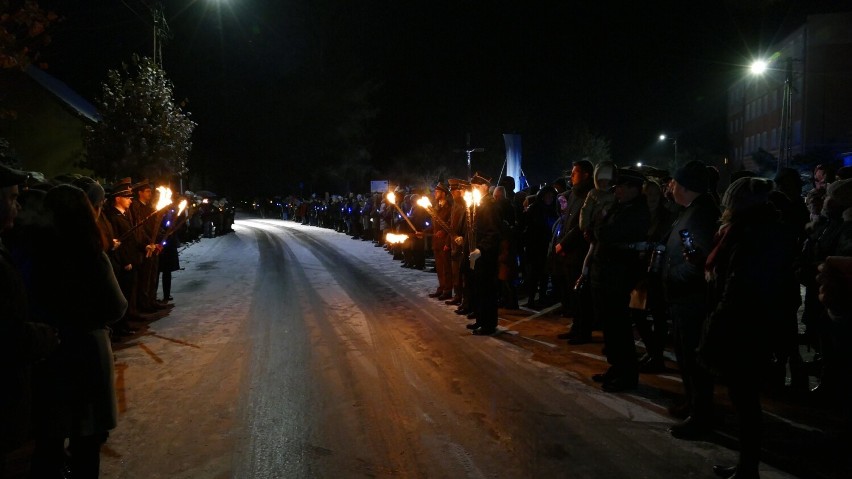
x: 142, y: 131
x: 23, y: 30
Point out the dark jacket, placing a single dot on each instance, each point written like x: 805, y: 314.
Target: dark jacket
x: 615, y: 264
x: 751, y: 263
x: 684, y: 281
x: 22, y: 344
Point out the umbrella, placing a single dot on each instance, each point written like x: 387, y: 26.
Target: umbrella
x: 206, y: 194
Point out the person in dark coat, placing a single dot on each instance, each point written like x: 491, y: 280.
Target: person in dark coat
x: 686, y: 293
x: 615, y: 270
x: 127, y: 253
x: 483, y: 259
x: 78, y: 398
x: 457, y: 227
x: 539, y: 219
x: 568, y: 247
x: 23, y: 343
x: 168, y: 257
x: 747, y: 268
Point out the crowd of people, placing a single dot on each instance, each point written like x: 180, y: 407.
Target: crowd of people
x: 81, y: 266
x: 717, y: 275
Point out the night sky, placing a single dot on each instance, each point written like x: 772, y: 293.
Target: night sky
x: 308, y: 93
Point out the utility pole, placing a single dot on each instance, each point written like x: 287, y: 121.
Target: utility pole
x: 786, y: 149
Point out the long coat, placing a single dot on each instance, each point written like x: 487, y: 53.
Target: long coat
x: 750, y: 264
x: 22, y: 343
x: 78, y: 387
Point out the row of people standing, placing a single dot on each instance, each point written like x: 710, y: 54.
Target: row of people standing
x: 62, y: 279
x: 78, y: 261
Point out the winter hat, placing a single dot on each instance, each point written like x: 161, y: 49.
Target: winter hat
x: 11, y: 177
x: 747, y: 193
x: 92, y: 188
x: 841, y: 193
x: 605, y: 170
x: 693, y: 176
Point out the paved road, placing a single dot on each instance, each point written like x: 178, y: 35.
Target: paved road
x: 296, y: 352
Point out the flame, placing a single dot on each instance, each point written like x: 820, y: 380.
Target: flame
x: 392, y: 198
x: 395, y: 238
x: 424, y: 202
x: 165, y: 197
x: 468, y: 198
x: 181, y: 207
x: 477, y: 197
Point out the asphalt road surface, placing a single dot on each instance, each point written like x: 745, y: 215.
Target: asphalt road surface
x: 296, y: 352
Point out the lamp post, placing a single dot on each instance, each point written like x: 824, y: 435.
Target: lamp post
x: 663, y: 137
x: 785, y: 147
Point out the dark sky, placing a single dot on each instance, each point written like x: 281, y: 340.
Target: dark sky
x: 271, y: 83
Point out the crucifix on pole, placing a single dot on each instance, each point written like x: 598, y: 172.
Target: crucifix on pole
x: 469, y: 152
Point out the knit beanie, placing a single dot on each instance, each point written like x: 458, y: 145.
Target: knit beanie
x: 840, y: 192
x: 693, y: 176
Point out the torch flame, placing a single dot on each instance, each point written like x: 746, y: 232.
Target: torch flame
x: 165, y: 197
x: 392, y: 198
x: 468, y: 198
x: 395, y: 238
x: 181, y: 207
x: 477, y: 197
x: 424, y: 202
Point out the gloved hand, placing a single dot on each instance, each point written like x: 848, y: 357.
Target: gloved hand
x: 474, y: 255
x: 458, y: 240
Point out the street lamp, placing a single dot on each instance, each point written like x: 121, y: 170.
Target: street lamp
x: 663, y: 137
x: 759, y: 68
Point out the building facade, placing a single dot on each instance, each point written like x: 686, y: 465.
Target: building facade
x: 816, y: 62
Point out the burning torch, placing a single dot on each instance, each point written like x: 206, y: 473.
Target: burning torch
x: 425, y: 203
x: 392, y: 200
x: 165, y: 200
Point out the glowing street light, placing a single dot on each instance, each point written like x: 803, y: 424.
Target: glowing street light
x: 663, y: 137
x: 759, y: 67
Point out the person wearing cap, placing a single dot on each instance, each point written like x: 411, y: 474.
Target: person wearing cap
x: 127, y: 253
x: 457, y: 231
x: 441, y: 244
x: 615, y: 270
x: 685, y: 292
x: 141, y: 211
x: 22, y: 342
x: 483, y: 259
x: 746, y: 267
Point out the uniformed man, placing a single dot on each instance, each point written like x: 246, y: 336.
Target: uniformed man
x: 457, y: 227
x: 127, y: 253
x: 142, y: 210
x: 483, y: 259
x: 441, y: 243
